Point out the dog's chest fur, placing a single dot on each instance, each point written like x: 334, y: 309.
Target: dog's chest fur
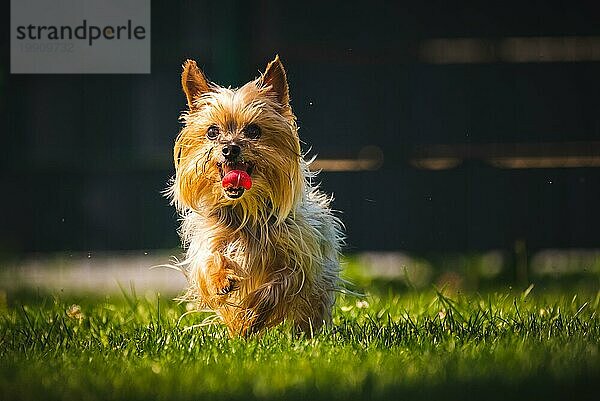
x: 301, y: 248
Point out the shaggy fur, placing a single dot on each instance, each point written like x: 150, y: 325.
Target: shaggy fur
x: 273, y: 253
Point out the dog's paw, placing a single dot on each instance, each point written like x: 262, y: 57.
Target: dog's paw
x: 224, y: 285
x: 223, y: 277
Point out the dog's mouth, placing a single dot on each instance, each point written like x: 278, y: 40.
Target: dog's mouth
x: 235, y: 178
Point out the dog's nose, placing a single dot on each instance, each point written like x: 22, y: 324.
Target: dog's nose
x: 231, y: 151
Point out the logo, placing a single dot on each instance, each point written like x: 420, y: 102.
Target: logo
x: 80, y: 37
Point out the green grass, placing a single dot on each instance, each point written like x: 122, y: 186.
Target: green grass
x: 411, y: 345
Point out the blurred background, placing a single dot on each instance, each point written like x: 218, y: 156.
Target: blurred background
x: 461, y: 141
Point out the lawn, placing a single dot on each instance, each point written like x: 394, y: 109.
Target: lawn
x: 534, y: 344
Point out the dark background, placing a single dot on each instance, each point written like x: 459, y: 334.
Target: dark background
x: 85, y: 157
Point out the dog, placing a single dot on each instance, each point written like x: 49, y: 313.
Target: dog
x: 262, y: 244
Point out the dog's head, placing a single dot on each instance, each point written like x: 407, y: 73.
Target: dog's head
x: 239, y: 148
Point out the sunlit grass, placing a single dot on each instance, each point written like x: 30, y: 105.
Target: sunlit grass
x: 413, y: 345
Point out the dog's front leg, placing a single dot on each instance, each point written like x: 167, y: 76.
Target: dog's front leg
x: 217, y: 279
x: 265, y: 306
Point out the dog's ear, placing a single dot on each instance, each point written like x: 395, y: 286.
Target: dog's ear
x: 194, y: 82
x: 275, y: 79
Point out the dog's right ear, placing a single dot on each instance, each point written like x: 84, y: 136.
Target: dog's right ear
x: 194, y: 82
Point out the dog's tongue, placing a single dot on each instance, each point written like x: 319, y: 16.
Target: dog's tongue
x: 236, y: 179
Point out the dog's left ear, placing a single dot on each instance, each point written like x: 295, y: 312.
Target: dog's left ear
x: 194, y: 82
x: 275, y: 78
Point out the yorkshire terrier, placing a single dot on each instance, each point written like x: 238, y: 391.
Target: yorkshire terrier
x: 262, y: 243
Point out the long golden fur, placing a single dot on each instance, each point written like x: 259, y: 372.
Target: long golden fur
x: 273, y: 253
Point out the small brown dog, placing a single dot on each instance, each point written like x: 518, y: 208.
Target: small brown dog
x: 262, y: 243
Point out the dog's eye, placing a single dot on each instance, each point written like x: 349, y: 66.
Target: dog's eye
x: 212, y: 133
x: 252, y: 131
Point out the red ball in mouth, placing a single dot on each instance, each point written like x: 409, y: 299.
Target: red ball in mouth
x: 237, y: 179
